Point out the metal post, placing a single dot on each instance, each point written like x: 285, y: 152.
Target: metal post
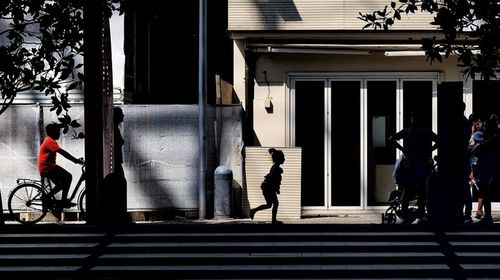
x: 202, y: 100
x: 93, y: 106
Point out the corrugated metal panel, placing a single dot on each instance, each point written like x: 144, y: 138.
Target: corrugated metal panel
x: 258, y: 162
x: 244, y: 15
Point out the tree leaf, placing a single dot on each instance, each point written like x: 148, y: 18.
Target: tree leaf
x: 65, y: 129
x: 72, y: 86
x: 397, y: 15
x: 75, y: 124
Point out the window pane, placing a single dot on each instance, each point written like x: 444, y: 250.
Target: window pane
x: 345, y: 135
x: 381, y: 158
x: 310, y: 135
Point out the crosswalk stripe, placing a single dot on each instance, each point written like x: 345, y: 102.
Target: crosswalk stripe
x: 48, y: 245
x: 271, y: 255
x: 299, y: 234
x: 43, y: 256
x: 481, y: 266
x: 474, y: 243
x: 271, y: 243
x: 374, y: 267
x: 38, y: 268
x: 49, y: 235
x: 474, y: 233
x: 477, y: 254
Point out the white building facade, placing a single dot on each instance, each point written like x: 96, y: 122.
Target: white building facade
x: 308, y: 76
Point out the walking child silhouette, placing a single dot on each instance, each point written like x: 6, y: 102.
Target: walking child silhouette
x: 271, y: 186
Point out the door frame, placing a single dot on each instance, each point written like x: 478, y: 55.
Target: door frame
x: 363, y: 77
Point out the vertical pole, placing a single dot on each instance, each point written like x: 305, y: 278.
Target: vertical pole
x: 93, y: 89
x: 2, y: 220
x: 450, y: 129
x: 202, y: 100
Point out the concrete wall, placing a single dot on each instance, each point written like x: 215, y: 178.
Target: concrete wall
x: 160, y: 151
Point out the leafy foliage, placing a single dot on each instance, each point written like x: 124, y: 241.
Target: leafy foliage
x: 41, y: 49
x: 471, y: 29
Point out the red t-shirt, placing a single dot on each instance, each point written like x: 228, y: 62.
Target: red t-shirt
x: 47, y: 155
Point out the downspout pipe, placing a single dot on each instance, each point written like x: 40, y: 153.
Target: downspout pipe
x: 202, y: 101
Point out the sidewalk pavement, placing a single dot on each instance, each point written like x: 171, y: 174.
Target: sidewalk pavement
x: 341, y: 219
x: 347, y: 219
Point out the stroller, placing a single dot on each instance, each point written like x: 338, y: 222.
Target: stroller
x: 394, y: 210
x: 401, y: 176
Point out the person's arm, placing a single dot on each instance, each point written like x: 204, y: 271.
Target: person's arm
x: 434, y: 138
x: 395, y: 138
x: 69, y: 156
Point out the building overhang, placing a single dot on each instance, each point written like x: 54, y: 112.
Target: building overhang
x: 407, y: 43
x: 342, y: 35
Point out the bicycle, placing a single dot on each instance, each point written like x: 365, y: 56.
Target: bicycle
x: 25, y: 200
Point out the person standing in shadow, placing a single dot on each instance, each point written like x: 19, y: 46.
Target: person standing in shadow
x: 418, y: 144
x: 485, y: 152
x: 465, y: 211
x: 271, y: 186
x: 118, y: 141
x: 115, y: 184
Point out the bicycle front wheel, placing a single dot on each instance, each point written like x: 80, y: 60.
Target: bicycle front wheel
x: 25, y: 204
x: 82, y: 204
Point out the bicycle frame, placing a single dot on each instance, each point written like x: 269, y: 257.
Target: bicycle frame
x: 78, y: 184
x: 47, y: 187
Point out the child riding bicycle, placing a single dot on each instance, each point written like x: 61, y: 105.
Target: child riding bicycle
x: 49, y: 169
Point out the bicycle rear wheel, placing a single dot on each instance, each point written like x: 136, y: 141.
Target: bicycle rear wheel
x: 25, y: 204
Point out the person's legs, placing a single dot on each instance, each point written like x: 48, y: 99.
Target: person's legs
x: 467, y: 200
x: 269, y: 203
x: 62, y: 180
x: 405, y: 201
x: 258, y: 208
x: 487, y: 205
x: 275, y: 208
x: 421, y: 199
x: 475, y: 190
x: 485, y: 194
x: 479, y: 211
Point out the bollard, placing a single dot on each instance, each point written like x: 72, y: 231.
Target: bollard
x: 223, y: 177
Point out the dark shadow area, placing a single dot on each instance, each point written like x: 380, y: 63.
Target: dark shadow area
x: 236, y: 200
x: 161, y: 51
x: 271, y: 12
x: 166, y: 167
x: 269, y: 107
x: 245, y: 203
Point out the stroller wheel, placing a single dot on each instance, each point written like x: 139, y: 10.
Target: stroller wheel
x: 388, y: 218
x: 392, y: 218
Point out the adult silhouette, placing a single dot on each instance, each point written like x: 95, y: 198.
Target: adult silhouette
x: 417, y: 152
x: 118, y: 141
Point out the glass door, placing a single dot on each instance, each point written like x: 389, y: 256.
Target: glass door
x: 309, y: 104
x: 381, y: 120
x: 389, y: 107
x: 343, y: 125
x: 344, y: 131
